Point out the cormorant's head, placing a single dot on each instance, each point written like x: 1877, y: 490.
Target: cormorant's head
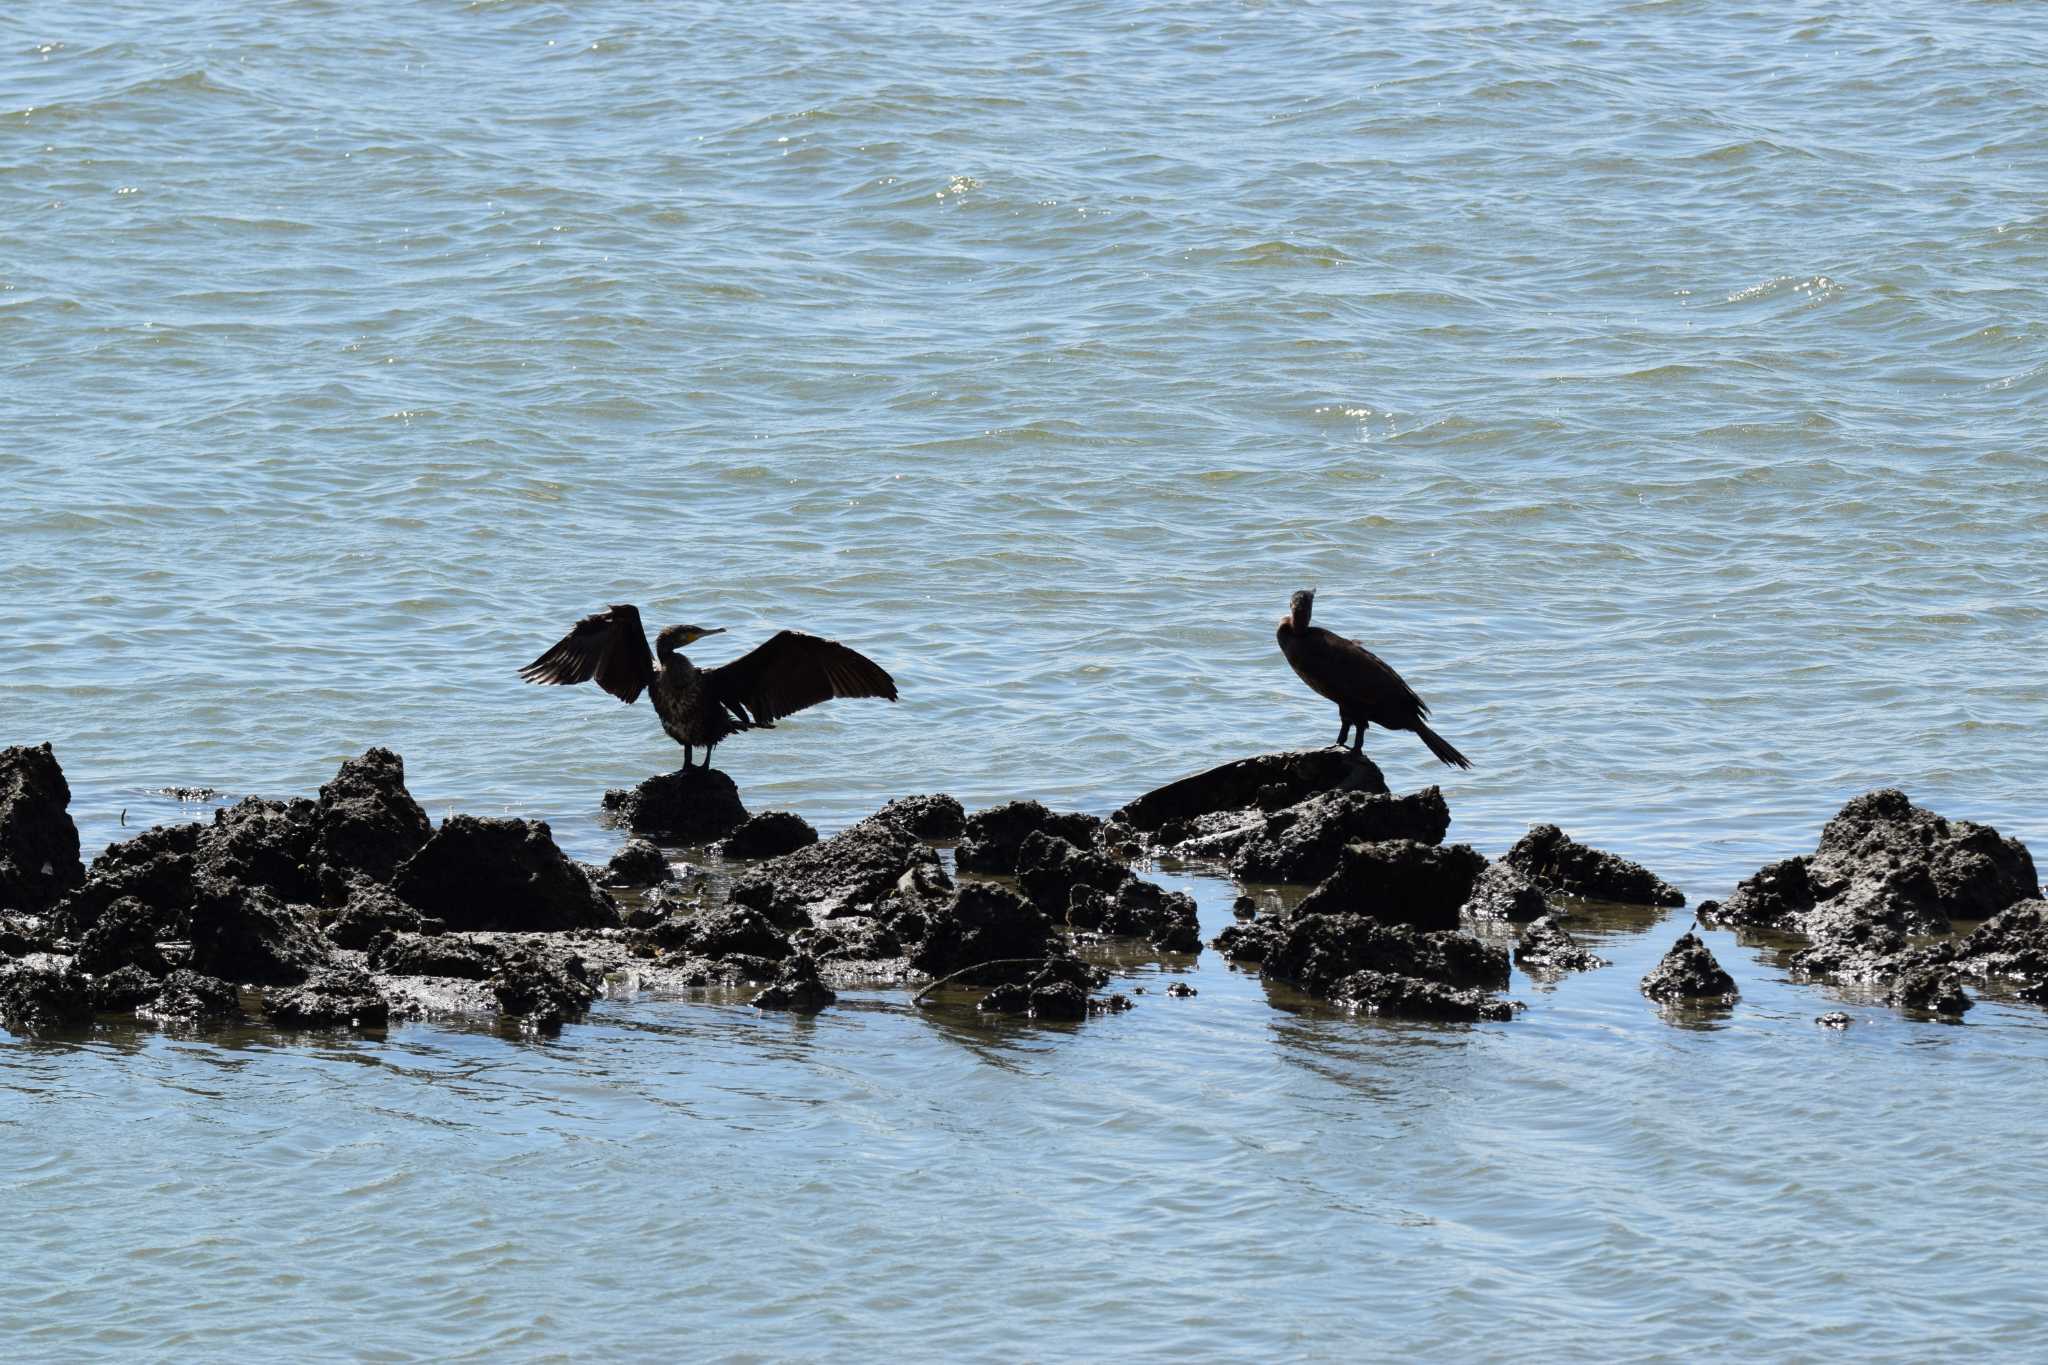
x: 1299, y: 608
x: 677, y: 637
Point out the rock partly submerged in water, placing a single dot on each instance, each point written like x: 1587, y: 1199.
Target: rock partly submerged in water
x: 1386, y: 968
x: 334, y: 997
x: 1503, y: 892
x: 1547, y: 946
x: 1056, y: 990
x: 40, y: 1000
x: 1263, y: 782
x: 1689, y: 973
x: 1881, y: 858
x: 479, y: 872
x: 688, y: 806
x: 1399, y: 881
x: 39, y: 862
x: 1304, y: 842
x: 638, y: 863
x: 770, y: 834
x: 797, y: 988
x: 1562, y: 866
x: 991, y: 840
x: 851, y: 873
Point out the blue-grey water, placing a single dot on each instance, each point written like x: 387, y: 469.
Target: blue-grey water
x: 1658, y: 386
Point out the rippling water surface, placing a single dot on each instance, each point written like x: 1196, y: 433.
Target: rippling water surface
x: 1658, y: 386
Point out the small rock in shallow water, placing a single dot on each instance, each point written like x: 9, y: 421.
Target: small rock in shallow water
x: 688, y: 806
x: 1181, y: 990
x: 123, y: 989
x: 990, y: 840
x: 1935, y: 988
x: 798, y: 988
x: 1563, y: 866
x: 1503, y: 892
x: 37, y: 1000
x: 1244, y: 907
x: 770, y: 834
x: 331, y: 998
x: 638, y: 863
x: 927, y: 817
x: 188, y: 997
x: 1283, y: 777
x: 1547, y: 946
x: 1834, y: 1019
x: 506, y: 874
x: 1689, y: 972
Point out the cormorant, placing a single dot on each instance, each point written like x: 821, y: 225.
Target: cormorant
x: 1358, y: 680
x: 704, y: 705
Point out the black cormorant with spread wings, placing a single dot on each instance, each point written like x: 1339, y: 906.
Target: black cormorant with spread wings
x: 701, y: 706
x: 1364, y: 687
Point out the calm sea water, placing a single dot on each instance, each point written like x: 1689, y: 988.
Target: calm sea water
x: 1658, y: 386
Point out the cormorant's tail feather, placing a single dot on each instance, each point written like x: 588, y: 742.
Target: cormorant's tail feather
x: 1441, y: 747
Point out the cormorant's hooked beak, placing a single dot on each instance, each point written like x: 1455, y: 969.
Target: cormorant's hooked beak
x: 714, y: 630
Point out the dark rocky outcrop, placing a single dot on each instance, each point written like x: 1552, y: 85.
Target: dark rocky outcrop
x: 1303, y: 842
x: 1393, y: 969
x: 1502, y: 892
x: 1934, y: 987
x: 369, y: 911
x: 492, y: 873
x: 991, y: 839
x: 927, y: 817
x: 2012, y: 945
x: 243, y: 934
x: 859, y: 938
x: 124, y: 988
x: 688, y: 806
x: 770, y: 834
x: 797, y: 988
x: 125, y: 935
x: 1564, y: 867
x: 1138, y: 909
x: 335, y: 997
x: 728, y: 931
x: 1049, y: 868
x: 189, y: 997
x: 983, y: 922
x: 263, y: 845
x: 38, y: 842
x: 543, y: 986
x: 367, y: 822
x: 639, y: 863
x: 155, y: 867
x: 1881, y: 858
x: 1399, y: 881
x: 21, y: 935
x: 43, y: 1000
x: 1265, y: 782
x: 1056, y: 990
x: 1547, y: 946
x: 1689, y: 973
x: 849, y: 874
x: 421, y: 955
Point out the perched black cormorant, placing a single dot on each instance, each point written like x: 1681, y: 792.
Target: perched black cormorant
x: 704, y: 705
x: 1358, y: 680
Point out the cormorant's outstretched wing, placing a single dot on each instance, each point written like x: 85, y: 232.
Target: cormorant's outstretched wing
x: 610, y: 646
x: 791, y: 671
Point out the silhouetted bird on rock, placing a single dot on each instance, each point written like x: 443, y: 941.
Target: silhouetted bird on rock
x: 1364, y: 687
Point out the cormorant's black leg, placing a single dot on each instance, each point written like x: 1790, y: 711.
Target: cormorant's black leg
x: 1343, y: 733
x: 686, y: 758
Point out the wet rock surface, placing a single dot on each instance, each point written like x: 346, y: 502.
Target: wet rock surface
x: 770, y: 835
x: 992, y: 839
x: 1303, y: 842
x: 1883, y: 858
x: 927, y: 817
x: 1388, y: 968
x: 335, y: 997
x: 851, y: 873
x: 983, y: 923
x: 45, y: 999
x: 421, y: 955
x: 1399, y: 881
x: 1561, y: 865
x: 723, y: 932
x: 638, y: 863
x: 1264, y: 782
x: 21, y: 935
x: 1547, y: 946
x: 125, y: 935
x: 1689, y: 973
x: 798, y: 988
x: 497, y: 873
x: 245, y: 934
x: 371, y: 910
x: 367, y: 823
x: 1504, y: 892
x: 544, y: 986
x: 39, y: 861
x: 1057, y: 990
x: 189, y: 997
x: 688, y: 806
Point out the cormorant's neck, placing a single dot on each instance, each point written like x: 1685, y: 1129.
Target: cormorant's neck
x: 672, y: 660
